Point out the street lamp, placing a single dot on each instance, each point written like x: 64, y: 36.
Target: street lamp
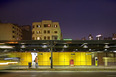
x: 98, y: 36
x: 65, y: 46
x: 44, y: 46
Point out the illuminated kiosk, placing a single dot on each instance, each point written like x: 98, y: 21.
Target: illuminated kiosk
x: 61, y: 52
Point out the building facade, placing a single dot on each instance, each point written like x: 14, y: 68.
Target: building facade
x: 96, y: 52
x: 26, y: 32
x: 10, y: 31
x: 114, y: 36
x: 46, y: 30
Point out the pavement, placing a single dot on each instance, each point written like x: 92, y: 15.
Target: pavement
x: 65, y: 68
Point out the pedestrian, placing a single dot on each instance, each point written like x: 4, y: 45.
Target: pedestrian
x: 36, y: 62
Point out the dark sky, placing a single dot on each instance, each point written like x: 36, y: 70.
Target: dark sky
x: 77, y: 18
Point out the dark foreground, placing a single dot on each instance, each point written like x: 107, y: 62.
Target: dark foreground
x: 58, y: 74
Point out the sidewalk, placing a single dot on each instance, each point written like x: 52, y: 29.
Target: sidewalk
x: 66, y: 68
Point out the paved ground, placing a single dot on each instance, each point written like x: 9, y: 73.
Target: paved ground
x: 67, y: 67
x: 62, y: 68
x: 57, y: 74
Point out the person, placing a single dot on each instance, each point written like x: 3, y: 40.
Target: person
x: 36, y: 62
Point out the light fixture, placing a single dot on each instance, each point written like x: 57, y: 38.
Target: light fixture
x: 22, y: 43
x: 106, y: 46
x: 4, y: 46
x: 44, y: 46
x: 98, y: 36
x: 76, y: 49
x: 105, y: 49
x: 23, y: 46
x: 65, y: 46
x: 85, y: 46
x: 89, y: 49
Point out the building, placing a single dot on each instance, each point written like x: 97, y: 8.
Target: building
x: 107, y: 38
x: 84, y: 38
x: 114, y: 36
x: 90, y: 37
x: 46, y: 30
x: 10, y: 31
x: 63, y: 52
x: 26, y: 32
x: 99, y: 37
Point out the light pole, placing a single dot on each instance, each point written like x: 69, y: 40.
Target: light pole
x: 51, y: 58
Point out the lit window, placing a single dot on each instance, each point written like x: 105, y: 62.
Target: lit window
x: 55, y: 26
x: 38, y: 26
x: 47, y: 25
x: 38, y: 32
x: 54, y: 37
x: 48, y: 31
x: 38, y: 38
x: 55, y: 32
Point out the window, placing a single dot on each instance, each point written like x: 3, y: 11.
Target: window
x: 13, y: 36
x: 54, y: 37
x: 55, y: 32
x: 38, y: 26
x: 48, y: 31
x: 38, y: 38
x: 55, y: 26
x: 38, y: 32
x: 13, y: 27
x: 13, y: 31
x: 44, y: 31
x: 33, y: 26
x: 44, y: 37
x: 33, y: 38
x: 33, y: 32
x: 47, y: 25
x: 48, y: 37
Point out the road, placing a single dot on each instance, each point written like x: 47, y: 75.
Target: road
x: 58, y: 74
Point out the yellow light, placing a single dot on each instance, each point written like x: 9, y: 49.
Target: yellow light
x: 12, y: 42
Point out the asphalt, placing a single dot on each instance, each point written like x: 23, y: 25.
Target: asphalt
x: 57, y: 74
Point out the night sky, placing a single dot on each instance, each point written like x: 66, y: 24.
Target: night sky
x: 77, y: 18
